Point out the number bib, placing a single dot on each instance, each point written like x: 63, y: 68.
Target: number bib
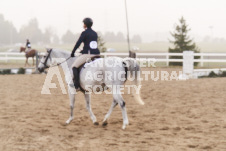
x: 93, y: 45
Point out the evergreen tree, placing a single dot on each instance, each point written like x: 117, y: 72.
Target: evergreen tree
x: 31, y: 32
x: 8, y: 33
x: 136, y: 39
x: 120, y: 37
x: 182, y: 42
x: 47, y: 35
x: 69, y: 37
x: 56, y: 39
x: 101, y: 44
x: 110, y: 37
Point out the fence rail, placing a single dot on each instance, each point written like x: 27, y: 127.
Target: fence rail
x: 165, y: 57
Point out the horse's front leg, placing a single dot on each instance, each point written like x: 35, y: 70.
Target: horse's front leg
x: 25, y: 62
x: 33, y: 61
x: 72, y: 103
x: 88, y: 107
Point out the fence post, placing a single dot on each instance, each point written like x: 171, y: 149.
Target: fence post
x: 188, y: 63
x: 201, y: 60
x: 6, y: 58
x: 167, y: 60
x: 36, y: 62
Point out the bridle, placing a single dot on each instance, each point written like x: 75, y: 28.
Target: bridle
x: 48, y: 56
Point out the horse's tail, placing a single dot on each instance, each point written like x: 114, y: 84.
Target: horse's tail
x: 134, y: 70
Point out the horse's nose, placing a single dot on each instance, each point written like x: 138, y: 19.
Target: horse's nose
x: 40, y: 69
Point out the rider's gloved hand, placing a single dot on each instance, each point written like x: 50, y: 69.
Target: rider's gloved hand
x: 72, y: 54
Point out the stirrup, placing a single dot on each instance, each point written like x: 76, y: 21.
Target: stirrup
x: 72, y: 85
x: 78, y: 89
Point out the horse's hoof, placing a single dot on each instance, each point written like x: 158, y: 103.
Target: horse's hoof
x: 124, y: 127
x: 96, y: 123
x: 64, y: 124
x: 105, y: 123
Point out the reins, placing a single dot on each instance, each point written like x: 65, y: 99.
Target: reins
x: 60, y: 62
x: 47, y: 57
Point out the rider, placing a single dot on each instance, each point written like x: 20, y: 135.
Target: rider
x: 90, y: 49
x: 28, y: 46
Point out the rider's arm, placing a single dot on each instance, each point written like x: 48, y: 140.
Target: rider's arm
x: 78, y: 43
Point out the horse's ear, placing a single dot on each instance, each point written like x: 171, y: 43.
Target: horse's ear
x: 48, y: 49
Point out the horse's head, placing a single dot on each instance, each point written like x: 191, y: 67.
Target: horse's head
x: 45, y: 61
x: 22, y: 49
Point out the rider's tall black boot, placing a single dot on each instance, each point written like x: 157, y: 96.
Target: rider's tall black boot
x: 76, y: 77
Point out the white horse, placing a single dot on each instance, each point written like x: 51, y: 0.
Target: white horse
x: 110, y: 64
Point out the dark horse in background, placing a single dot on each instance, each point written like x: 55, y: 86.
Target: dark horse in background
x: 31, y: 53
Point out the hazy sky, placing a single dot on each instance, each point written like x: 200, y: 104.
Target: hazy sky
x: 152, y: 19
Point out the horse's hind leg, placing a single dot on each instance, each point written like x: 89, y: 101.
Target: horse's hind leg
x: 33, y: 61
x: 118, y: 97
x: 72, y: 102
x: 113, y: 105
x: 88, y: 107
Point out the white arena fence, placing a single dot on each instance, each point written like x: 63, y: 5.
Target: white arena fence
x: 7, y: 56
x: 165, y: 57
x: 158, y: 57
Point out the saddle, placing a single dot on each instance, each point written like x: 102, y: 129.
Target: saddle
x: 91, y: 60
x: 83, y: 66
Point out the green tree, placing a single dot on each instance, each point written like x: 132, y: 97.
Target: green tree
x: 48, y: 35
x: 182, y: 42
x: 110, y: 37
x: 136, y: 39
x: 69, y: 38
x: 31, y: 32
x: 8, y: 32
x: 56, y: 39
x: 101, y: 44
x: 120, y: 37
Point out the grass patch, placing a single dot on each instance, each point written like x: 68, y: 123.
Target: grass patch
x: 21, y: 71
x: 212, y: 74
x: 5, y: 71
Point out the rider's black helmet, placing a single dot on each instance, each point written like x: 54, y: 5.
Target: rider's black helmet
x: 88, y: 22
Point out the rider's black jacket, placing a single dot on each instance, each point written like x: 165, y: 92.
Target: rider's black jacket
x: 28, y: 44
x: 89, y: 38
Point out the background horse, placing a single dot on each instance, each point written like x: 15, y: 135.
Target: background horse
x: 47, y: 61
x: 31, y: 53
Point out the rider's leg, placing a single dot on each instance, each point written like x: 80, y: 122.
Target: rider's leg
x: 76, y: 77
x: 27, y: 50
x: 75, y: 68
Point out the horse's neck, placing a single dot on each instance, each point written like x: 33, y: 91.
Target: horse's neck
x: 61, y: 58
x: 22, y: 49
x: 59, y: 54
